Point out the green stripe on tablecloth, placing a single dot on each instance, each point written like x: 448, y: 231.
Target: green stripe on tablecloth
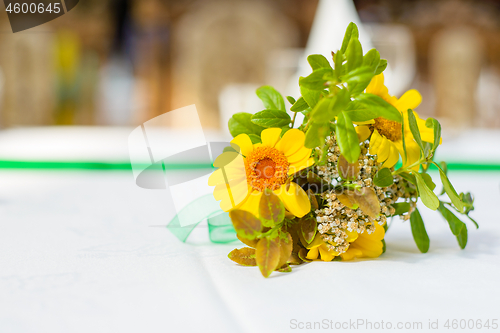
x: 80, y: 165
x: 75, y: 165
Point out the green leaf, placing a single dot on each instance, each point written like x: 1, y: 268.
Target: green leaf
x: 346, y: 170
x: 462, y: 238
x: 418, y: 231
x: 383, y: 178
x: 308, y: 228
x: 317, y: 61
x: 324, y: 110
x: 244, y: 256
x: 412, y: 121
x: 317, y: 79
x: 310, y: 96
x: 444, y: 167
x: 299, y: 105
x: 255, y: 138
x: 367, y: 200
x: 316, y: 134
x: 473, y: 221
x: 428, y: 181
x: 241, y: 123
x: 271, y: 98
x: 369, y: 106
x: 428, y: 197
x: 354, y: 54
x: 372, y: 59
x: 271, y: 209
x: 457, y: 227
x: 403, y: 139
x: 347, y: 138
x: 401, y: 208
x: 267, y: 255
x: 245, y: 223
x: 358, y: 79
x: 450, y: 190
x: 271, y: 118
x: 431, y: 122
x: 381, y: 66
x: 409, y: 177
x: 290, y: 100
x: 352, y: 30
x: 338, y: 60
x: 286, y: 247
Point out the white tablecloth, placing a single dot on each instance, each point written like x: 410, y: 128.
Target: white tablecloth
x: 79, y: 252
x: 85, y: 251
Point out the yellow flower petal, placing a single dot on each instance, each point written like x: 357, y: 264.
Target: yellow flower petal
x: 296, y: 167
x: 351, y: 253
x: 377, y: 86
x: 245, y: 144
x: 413, y: 151
x: 367, y: 251
x: 295, y: 199
x: 291, y: 142
x: 410, y: 100
x: 252, y: 203
x: 313, y: 253
x: 302, y: 154
x: 234, y: 170
x: 384, y: 150
x: 393, y: 157
x: 375, y: 142
x: 363, y: 133
x: 270, y: 136
x: 326, y: 255
x: 351, y: 236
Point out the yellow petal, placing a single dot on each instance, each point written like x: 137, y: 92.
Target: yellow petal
x: 245, y: 144
x: 270, y: 136
x: 375, y: 142
x: 296, y: 167
x: 413, y: 151
x: 252, y: 203
x: 351, y: 253
x: 393, y: 157
x: 326, y: 255
x: 234, y: 170
x: 383, y: 150
x: 410, y: 100
x: 313, y: 253
x: 377, y: 86
x: 351, y: 236
x: 367, y: 252
x: 363, y: 133
x: 302, y: 154
x: 291, y: 142
x: 399, y: 146
x: 227, y: 204
x: 295, y: 199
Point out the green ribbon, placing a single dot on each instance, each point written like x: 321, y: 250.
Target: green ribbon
x: 220, y: 227
x: 84, y: 165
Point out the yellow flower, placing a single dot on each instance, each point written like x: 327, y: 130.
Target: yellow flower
x: 386, y: 140
x: 362, y: 245
x: 267, y: 165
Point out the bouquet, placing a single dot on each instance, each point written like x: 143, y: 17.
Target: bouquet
x: 325, y: 188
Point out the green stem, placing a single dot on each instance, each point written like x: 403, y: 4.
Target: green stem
x: 293, y: 120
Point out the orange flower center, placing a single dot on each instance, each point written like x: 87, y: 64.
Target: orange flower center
x: 266, y: 167
x: 388, y: 128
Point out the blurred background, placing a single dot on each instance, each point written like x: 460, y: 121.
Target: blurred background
x: 123, y: 62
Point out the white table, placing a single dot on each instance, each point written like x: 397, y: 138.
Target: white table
x: 79, y: 252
